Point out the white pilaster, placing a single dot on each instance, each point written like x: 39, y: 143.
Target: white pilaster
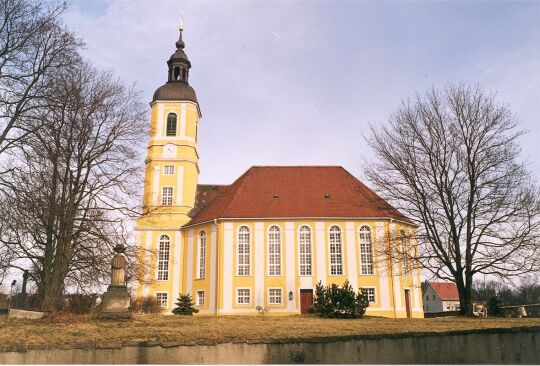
x: 290, y: 261
x: 213, y: 267
x: 384, y: 290
x: 160, y: 130
x: 395, y: 269
x: 183, y: 121
x: 320, y: 251
x: 352, y: 267
x: 147, y: 262
x: 259, y: 269
x: 177, y: 260
x: 228, y: 250
x: 189, y: 266
x: 155, y: 187
x: 180, y: 185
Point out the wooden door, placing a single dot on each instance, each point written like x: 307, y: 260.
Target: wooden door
x: 408, y: 303
x: 306, y: 300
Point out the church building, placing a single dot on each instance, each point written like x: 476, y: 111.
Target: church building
x: 268, y: 238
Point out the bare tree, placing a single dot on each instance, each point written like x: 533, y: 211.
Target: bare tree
x: 33, y: 47
x: 450, y: 160
x: 76, y: 181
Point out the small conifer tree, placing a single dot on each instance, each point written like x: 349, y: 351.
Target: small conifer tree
x: 494, y: 307
x: 184, y: 305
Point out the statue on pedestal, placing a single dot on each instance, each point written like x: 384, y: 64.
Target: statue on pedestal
x: 116, y: 300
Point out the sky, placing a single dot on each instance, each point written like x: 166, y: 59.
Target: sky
x: 298, y: 83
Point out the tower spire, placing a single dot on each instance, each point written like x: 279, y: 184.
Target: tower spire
x: 180, y: 43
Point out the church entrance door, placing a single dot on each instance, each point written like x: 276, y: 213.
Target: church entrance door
x: 306, y: 300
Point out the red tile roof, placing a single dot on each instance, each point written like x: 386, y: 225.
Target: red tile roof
x: 445, y: 290
x: 295, y: 192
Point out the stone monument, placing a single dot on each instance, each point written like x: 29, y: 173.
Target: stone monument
x: 116, y: 300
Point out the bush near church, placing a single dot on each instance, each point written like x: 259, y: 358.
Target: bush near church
x: 339, y: 301
x: 184, y: 305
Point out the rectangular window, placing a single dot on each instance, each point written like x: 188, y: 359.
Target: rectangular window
x: 168, y: 170
x: 370, y: 293
x: 167, y: 196
x: 163, y: 265
x: 200, y: 298
x: 161, y: 299
x: 243, y: 296
x: 274, y: 296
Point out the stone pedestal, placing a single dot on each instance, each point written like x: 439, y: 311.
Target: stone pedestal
x: 115, y: 304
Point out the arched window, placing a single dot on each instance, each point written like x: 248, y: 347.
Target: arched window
x: 176, y: 73
x: 404, y: 252
x: 274, y: 251
x: 202, y: 254
x: 171, y: 124
x: 366, y: 250
x: 304, y: 246
x: 163, y: 258
x: 336, y: 264
x: 243, y: 252
x: 184, y: 74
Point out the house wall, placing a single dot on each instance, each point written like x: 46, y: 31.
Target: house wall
x: 432, y: 302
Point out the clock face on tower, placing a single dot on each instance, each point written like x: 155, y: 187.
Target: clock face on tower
x: 169, y: 151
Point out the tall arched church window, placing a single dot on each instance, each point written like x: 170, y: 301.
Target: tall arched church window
x: 336, y: 260
x: 366, y: 250
x: 304, y: 241
x: 163, y: 258
x: 243, y: 252
x: 171, y: 124
x: 274, y: 251
x: 202, y: 254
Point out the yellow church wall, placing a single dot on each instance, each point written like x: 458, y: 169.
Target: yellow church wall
x: 259, y: 232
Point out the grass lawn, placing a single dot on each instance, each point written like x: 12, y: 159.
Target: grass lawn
x: 84, y: 329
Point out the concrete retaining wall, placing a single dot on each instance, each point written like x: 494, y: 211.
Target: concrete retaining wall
x: 501, y: 346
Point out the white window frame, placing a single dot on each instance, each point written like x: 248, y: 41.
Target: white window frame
x: 201, y: 246
x: 238, y: 289
x: 162, y: 268
x: 168, y: 169
x: 274, y: 251
x: 335, y: 259
x: 365, y: 246
x: 280, y: 289
x: 374, y: 293
x: 243, y: 251
x: 167, y: 200
x: 175, y: 125
x: 198, y: 298
x: 305, y: 269
x: 166, y: 298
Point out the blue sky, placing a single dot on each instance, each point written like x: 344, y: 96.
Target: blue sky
x: 297, y: 83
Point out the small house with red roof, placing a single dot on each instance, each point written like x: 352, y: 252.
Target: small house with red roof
x: 441, y: 296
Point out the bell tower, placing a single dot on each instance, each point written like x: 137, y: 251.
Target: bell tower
x: 172, y: 161
x: 170, y: 182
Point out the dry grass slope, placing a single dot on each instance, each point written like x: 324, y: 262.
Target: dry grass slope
x: 189, y: 330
